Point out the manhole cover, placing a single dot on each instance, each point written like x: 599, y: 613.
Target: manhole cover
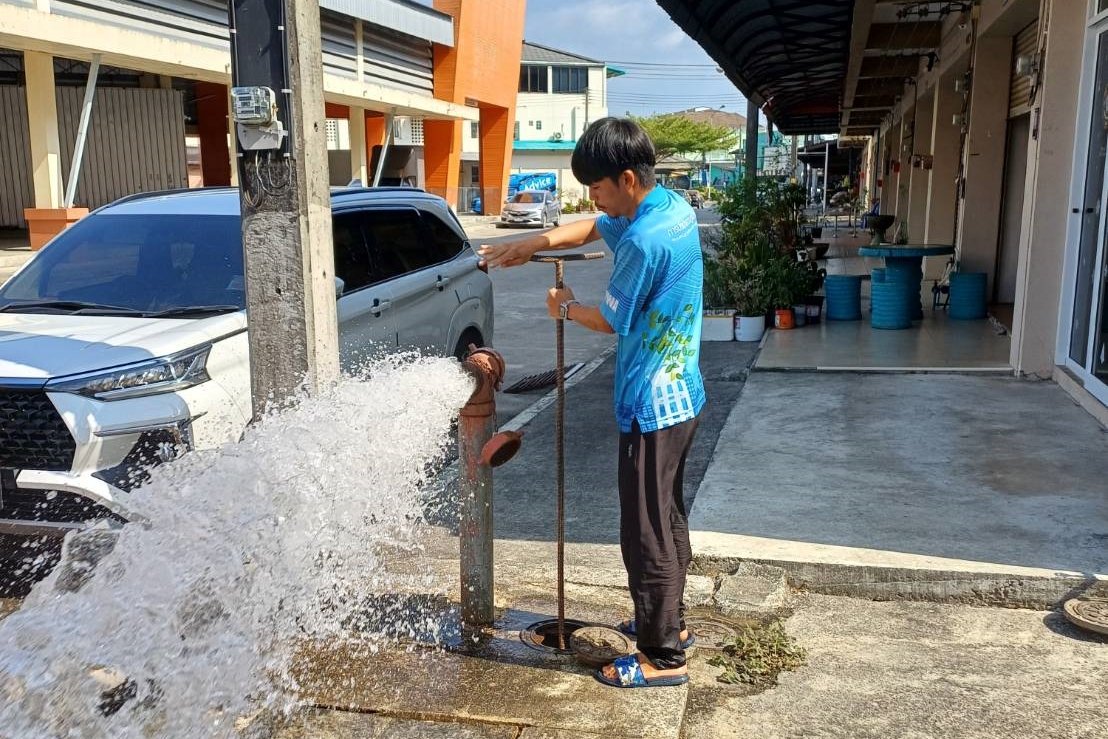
x: 710, y: 633
x: 1090, y: 614
x: 543, y: 635
x: 597, y: 646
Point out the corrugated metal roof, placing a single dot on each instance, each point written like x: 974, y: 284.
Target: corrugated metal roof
x: 538, y: 54
x: 789, y: 56
x: 399, y: 15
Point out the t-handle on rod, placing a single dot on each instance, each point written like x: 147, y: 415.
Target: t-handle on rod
x: 559, y: 428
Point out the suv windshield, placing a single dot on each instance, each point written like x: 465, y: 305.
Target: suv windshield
x: 527, y: 197
x: 142, y: 263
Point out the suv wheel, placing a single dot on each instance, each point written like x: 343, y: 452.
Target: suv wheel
x: 469, y: 336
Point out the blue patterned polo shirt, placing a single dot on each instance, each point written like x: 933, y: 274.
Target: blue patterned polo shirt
x: 654, y: 303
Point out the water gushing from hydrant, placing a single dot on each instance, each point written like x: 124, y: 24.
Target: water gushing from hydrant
x: 193, y: 619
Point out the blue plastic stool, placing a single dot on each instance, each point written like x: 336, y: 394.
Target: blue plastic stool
x: 844, y: 297
x: 891, y: 304
x: 968, y: 300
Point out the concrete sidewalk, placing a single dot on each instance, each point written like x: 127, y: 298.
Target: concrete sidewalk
x: 940, y: 487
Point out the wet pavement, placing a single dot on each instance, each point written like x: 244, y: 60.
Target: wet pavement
x: 491, y: 678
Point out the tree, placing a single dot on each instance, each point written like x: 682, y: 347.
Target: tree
x: 673, y: 133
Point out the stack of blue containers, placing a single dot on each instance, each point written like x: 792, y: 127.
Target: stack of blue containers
x: 890, y: 300
x: 967, y: 295
x: 844, y: 297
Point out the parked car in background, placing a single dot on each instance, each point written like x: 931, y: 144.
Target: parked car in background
x: 531, y: 208
x: 124, y: 340
x: 694, y: 198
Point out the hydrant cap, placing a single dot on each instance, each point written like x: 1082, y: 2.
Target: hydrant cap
x: 501, y: 448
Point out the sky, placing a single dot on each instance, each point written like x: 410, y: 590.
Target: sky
x: 666, y: 70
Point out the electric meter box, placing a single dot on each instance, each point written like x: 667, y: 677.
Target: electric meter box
x: 253, y: 106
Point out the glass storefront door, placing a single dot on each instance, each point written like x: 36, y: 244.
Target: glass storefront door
x: 1089, y: 328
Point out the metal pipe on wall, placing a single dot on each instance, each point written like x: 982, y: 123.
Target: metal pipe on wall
x: 82, y: 132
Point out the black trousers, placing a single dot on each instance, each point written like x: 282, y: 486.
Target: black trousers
x: 654, y: 535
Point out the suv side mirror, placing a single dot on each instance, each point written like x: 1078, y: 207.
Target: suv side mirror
x: 340, y: 287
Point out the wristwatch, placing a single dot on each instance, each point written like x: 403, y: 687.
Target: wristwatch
x: 563, y: 310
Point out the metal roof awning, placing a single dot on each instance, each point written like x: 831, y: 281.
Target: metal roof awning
x: 404, y: 16
x: 788, y: 56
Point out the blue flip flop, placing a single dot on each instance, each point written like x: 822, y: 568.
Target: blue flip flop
x: 628, y: 628
x: 630, y: 676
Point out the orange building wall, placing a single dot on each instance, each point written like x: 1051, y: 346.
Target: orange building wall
x: 482, y: 69
x: 212, y: 125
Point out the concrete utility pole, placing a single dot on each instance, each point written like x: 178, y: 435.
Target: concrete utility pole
x: 285, y: 199
x: 751, y: 139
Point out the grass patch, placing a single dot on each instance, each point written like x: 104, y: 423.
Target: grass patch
x: 757, y: 655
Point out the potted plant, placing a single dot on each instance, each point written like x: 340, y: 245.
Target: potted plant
x: 750, y: 305
x: 718, y: 319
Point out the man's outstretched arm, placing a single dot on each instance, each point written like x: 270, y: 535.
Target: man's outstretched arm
x: 518, y: 251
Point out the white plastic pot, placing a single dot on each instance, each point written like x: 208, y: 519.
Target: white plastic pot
x: 717, y: 325
x: 749, y: 328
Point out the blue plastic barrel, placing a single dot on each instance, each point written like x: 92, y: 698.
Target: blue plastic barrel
x: 844, y: 297
x: 891, y: 308
x: 968, y: 299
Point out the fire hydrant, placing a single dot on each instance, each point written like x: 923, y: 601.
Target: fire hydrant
x: 480, y: 449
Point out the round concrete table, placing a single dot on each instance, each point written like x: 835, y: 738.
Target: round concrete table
x: 905, y: 261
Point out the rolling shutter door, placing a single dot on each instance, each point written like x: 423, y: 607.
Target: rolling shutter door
x: 1025, y: 42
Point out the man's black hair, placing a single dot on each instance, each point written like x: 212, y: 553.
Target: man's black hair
x: 611, y: 146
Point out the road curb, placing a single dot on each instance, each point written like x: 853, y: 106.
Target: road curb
x: 992, y: 589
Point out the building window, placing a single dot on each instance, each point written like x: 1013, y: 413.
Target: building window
x: 515, y: 132
x: 532, y: 79
x: 538, y: 125
x: 475, y: 175
x: 571, y: 79
x: 474, y: 130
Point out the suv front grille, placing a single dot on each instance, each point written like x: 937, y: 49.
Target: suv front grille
x: 54, y: 506
x: 33, y: 435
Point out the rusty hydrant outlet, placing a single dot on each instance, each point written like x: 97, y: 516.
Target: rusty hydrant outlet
x: 479, y: 449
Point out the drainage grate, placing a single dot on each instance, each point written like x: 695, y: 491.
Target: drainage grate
x: 596, y: 646
x: 1088, y: 613
x: 542, y: 380
x: 543, y: 635
x: 710, y: 633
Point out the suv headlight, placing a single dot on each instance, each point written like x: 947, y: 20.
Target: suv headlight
x: 167, y: 374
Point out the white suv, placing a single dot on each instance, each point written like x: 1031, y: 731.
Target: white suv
x: 124, y: 340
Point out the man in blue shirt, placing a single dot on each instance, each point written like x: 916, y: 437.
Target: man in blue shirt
x: 654, y: 304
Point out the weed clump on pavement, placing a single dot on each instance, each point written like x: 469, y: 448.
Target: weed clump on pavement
x: 757, y: 655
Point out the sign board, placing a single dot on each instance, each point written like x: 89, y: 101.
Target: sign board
x: 532, y: 181
x: 777, y: 161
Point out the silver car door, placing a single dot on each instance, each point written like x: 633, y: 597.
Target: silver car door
x: 365, y: 310
x: 398, y: 240
x: 452, y: 271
